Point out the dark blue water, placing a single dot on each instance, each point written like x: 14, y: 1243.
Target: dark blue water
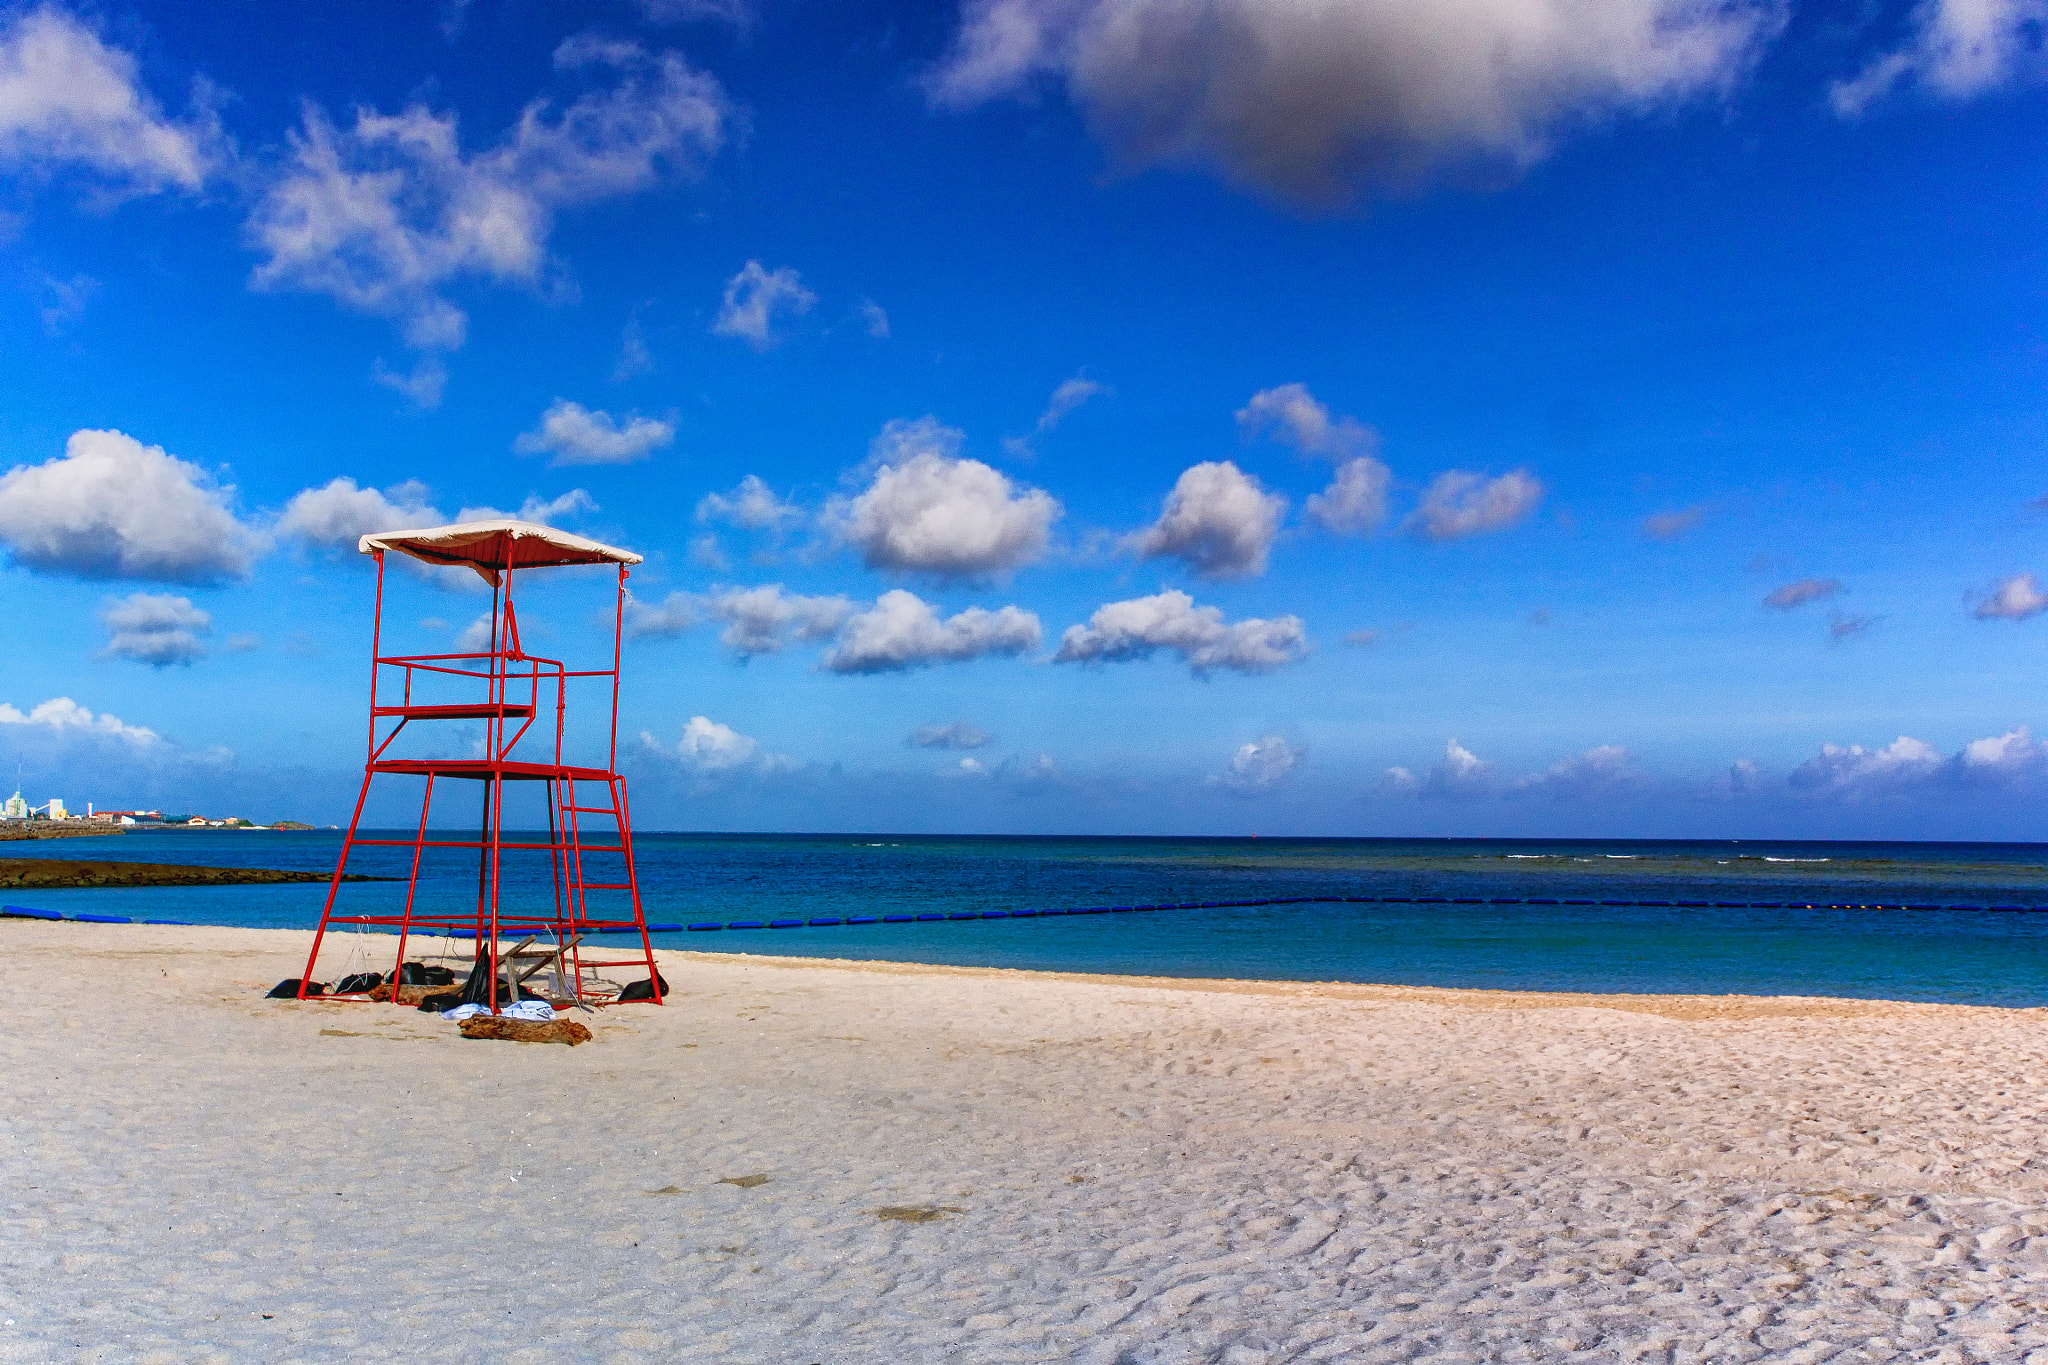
x: 1985, y: 957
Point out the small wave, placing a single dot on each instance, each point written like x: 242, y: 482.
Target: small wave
x: 1531, y: 855
x: 1617, y: 855
x: 1769, y: 859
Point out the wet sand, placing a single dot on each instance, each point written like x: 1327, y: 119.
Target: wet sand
x: 807, y: 1160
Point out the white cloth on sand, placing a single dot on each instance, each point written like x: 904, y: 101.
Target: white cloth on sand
x: 540, y: 1011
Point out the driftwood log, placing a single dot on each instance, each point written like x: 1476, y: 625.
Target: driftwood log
x: 525, y: 1030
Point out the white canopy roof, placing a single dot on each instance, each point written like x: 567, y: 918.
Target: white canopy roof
x: 492, y: 546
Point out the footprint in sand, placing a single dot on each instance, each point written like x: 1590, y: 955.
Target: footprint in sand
x: 745, y: 1182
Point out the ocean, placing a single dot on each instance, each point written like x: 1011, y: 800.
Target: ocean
x: 1772, y: 935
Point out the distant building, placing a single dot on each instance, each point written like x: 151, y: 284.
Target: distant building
x: 57, y: 811
x: 197, y: 822
x: 14, y: 808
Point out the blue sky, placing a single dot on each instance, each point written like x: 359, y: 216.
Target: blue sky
x: 1609, y: 417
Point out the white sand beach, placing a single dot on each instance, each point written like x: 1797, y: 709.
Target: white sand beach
x: 969, y: 1165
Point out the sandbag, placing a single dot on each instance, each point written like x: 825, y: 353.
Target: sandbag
x: 419, y: 974
x: 643, y: 990
x: 289, y: 989
x: 360, y: 984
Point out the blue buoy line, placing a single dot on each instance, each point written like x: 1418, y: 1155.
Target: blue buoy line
x: 963, y: 916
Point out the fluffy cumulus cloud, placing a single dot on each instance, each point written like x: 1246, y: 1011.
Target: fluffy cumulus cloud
x: 903, y: 631
x: 1798, y: 594
x: 1851, y: 770
x: 155, y: 628
x: 1957, y: 48
x: 1140, y: 627
x: 384, y: 213
x: 1458, y: 504
x: 1309, y: 100
x: 1219, y: 520
x: 762, y: 620
x: 67, y: 100
x: 755, y: 297
x: 2014, y: 599
x: 1459, y: 772
x: 1607, y: 771
x: 65, y: 718
x: 337, y: 514
x: 1356, y: 500
x: 1852, y: 773
x: 751, y: 506
x: 929, y: 511
x: 709, y: 748
x: 111, y: 507
x: 957, y: 735
x: 1258, y: 766
x: 574, y: 434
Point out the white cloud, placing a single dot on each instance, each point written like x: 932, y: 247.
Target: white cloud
x: 671, y: 616
x: 1460, y: 504
x: 1959, y: 48
x: 62, y: 302
x: 1290, y: 413
x: 1604, y: 771
x: 63, y: 716
x: 1853, y: 771
x: 634, y: 357
x: 1460, y: 772
x: 929, y: 511
x: 2013, y: 755
x: 751, y: 506
x: 958, y: 735
x: 1798, y: 594
x: 338, y: 514
x: 706, y: 553
x: 2014, y: 599
x: 111, y: 507
x: 1308, y: 100
x: 1259, y: 766
x: 424, y: 383
x: 67, y: 99
x: 902, y: 631
x: 1071, y: 394
x: 1672, y: 525
x: 761, y: 620
x: 575, y: 434
x: 710, y: 748
x: 1135, y: 629
x: 155, y: 628
x: 876, y: 319
x: 1356, y: 500
x: 1218, y: 519
x: 383, y: 214
x: 754, y: 297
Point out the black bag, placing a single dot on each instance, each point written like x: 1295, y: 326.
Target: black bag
x: 360, y: 984
x: 289, y: 990
x: 419, y: 974
x: 444, y: 1000
x: 642, y: 990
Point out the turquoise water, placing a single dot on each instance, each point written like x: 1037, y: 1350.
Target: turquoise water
x: 1976, y: 956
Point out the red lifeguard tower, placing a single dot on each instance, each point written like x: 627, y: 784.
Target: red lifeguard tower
x: 510, y: 691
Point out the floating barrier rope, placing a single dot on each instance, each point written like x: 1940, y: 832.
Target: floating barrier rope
x: 961, y: 916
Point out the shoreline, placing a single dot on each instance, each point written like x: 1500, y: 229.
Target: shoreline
x: 1730, y: 1006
